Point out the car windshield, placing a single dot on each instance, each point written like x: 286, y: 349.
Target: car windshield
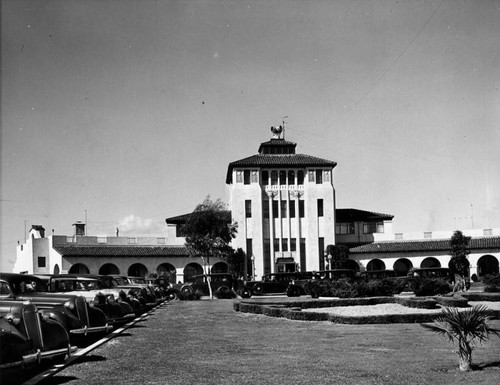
x: 23, y: 285
x: 76, y: 285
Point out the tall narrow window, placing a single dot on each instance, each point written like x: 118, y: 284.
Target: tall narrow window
x: 283, y: 209
x: 248, y: 209
x: 319, y: 176
x: 274, y: 177
x: 276, y: 244
x: 291, y: 177
x: 301, y: 209
x: 283, y: 178
x: 265, y: 208
x: 275, y: 209
x: 42, y: 262
x: 311, y: 174
x: 265, y: 178
x: 284, y: 244
x: 321, y: 248
x: 300, y: 177
x: 293, y: 244
x: 246, y: 176
x: 303, y: 257
x: 320, y: 207
x: 292, y: 209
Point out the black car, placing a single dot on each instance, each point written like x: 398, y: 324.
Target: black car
x: 29, y: 338
x: 79, y: 318
x: 276, y: 283
x: 223, y: 285
x: 302, y: 285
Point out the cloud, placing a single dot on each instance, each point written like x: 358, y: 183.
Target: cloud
x: 137, y: 226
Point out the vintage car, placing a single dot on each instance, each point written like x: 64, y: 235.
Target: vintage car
x: 141, y: 292
x: 276, y: 283
x: 432, y: 272
x: 80, y: 319
x: 370, y: 275
x: 301, y: 285
x: 111, y: 302
x: 223, y: 285
x: 27, y: 337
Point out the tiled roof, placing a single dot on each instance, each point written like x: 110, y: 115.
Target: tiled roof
x: 355, y: 215
x: 423, y: 245
x: 278, y: 160
x: 181, y: 219
x: 120, y: 251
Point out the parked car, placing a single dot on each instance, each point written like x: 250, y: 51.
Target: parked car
x: 377, y: 274
x: 276, y: 283
x: 72, y: 311
x: 223, y: 285
x: 27, y: 337
x: 117, y: 309
x: 302, y: 285
x: 142, y: 292
x: 432, y: 272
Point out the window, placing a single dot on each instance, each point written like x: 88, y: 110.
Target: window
x: 283, y: 178
x: 319, y: 176
x: 246, y: 177
x: 239, y: 177
x: 283, y: 209
x: 265, y: 178
x: 292, y: 209
x: 249, y: 248
x: 303, y: 257
x: 373, y: 227
x: 301, y: 209
x: 248, y: 209
x: 321, y: 248
x: 255, y: 176
x: 132, y: 241
x: 291, y: 177
x: 179, y: 231
x: 300, y: 177
x: 311, y: 175
x: 284, y: 245
x: 274, y: 178
x: 276, y: 244
x: 293, y: 244
x: 265, y: 208
x: 42, y: 262
x: 344, y: 228
x: 320, y: 207
x: 275, y: 209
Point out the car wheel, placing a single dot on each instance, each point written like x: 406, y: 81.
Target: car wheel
x: 173, y: 296
x: 258, y: 289
x: 187, y: 290
x: 293, y: 292
x: 246, y: 294
x: 223, y: 292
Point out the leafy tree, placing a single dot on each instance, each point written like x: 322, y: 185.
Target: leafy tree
x: 236, y: 261
x: 208, y: 233
x: 464, y: 327
x: 459, y: 263
x: 339, y: 254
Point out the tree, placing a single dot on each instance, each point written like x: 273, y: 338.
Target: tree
x: 464, y: 327
x: 236, y: 261
x: 339, y: 254
x: 208, y: 233
x: 459, y: 263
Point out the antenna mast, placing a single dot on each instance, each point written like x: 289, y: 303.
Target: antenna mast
x: 283, y: 125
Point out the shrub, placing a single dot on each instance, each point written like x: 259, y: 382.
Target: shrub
x: 429, y: 286
x: 492, y: 283
x: 190, y: 296
x: 452, y: 301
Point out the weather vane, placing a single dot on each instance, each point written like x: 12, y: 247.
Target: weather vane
x: 278, y: 130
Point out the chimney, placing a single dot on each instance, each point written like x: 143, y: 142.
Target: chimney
x: 79, y: 228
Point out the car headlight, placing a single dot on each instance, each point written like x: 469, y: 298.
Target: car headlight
x: 110, y: 298
x: 13, y: 318
x: 69, y: 304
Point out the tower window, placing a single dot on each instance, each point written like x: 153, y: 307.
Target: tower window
x: 248, y: 209
x: 246, y: 177
x: 275, y: 209
x: 282, y: 177
x: 274, y: 178
x: 284, y: 244
x: 319, y: 176
x: 320, y: 207
x: 265, y: 178
x: 301, y: 209
x: 283, y: 209
x: 291, y: 177
x: 292, y: 209
x: 300, y: 177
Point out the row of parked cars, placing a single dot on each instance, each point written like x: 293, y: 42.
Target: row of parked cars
x: 45, y: 318
x: 294, y: 284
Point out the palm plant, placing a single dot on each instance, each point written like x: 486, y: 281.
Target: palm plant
x: 465, y: 327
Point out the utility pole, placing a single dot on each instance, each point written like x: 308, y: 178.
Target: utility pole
x: 472, y: 215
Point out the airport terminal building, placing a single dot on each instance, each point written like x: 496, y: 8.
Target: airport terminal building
x: 284, y: 204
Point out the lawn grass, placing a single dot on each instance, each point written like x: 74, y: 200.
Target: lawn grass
x: 207, y: 342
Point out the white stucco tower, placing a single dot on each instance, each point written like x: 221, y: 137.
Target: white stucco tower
x: 284, y: 204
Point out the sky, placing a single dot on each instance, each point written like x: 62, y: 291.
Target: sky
x: 123, y: 113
